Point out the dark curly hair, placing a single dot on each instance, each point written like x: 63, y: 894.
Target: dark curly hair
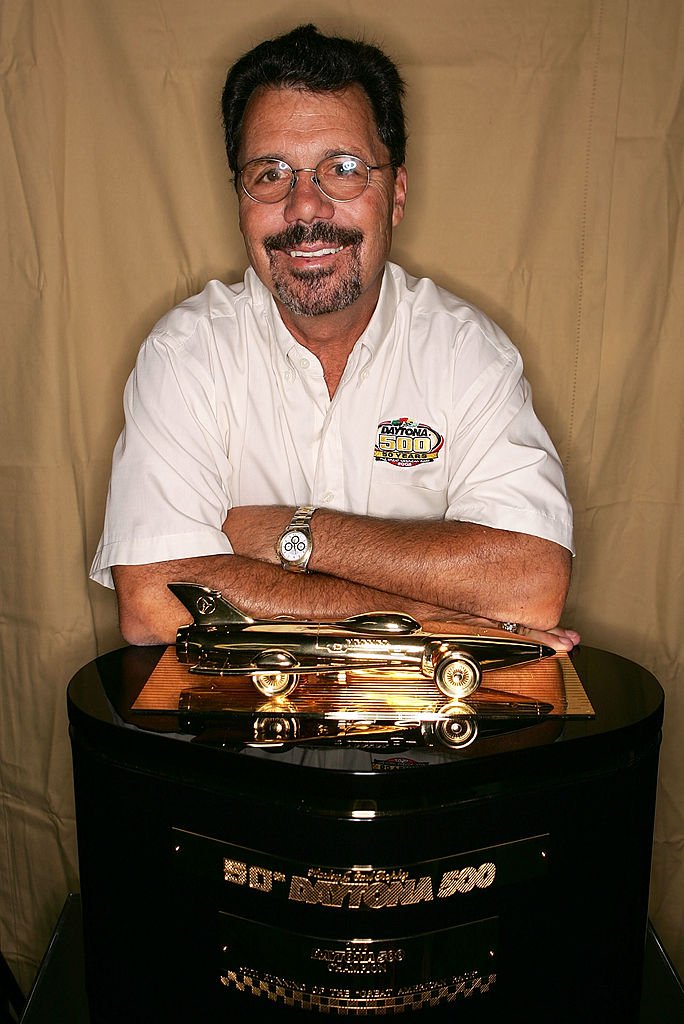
x: 306, y: 59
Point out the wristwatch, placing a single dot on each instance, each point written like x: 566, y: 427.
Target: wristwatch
x: 295, y: 544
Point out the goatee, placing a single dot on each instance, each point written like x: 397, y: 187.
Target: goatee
x: 320, y: 290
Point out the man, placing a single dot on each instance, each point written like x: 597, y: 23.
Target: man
x: 331, y: 415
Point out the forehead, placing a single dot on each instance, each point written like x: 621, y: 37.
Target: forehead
x: 293, y: 122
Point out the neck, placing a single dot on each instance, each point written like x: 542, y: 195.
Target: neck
x: 332, y: 336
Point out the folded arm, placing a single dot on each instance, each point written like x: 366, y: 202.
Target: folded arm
x: 150, y: 614
x: 432, y: 570
x: 465, y: 567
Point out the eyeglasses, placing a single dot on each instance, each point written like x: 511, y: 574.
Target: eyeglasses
x: 340, y: 178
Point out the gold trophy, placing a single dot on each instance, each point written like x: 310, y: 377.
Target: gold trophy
x: 221, y: 640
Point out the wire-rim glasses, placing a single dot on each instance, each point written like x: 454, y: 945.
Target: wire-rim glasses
x: 341, y: 177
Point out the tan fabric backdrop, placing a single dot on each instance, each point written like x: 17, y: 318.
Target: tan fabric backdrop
x: 546, y: 185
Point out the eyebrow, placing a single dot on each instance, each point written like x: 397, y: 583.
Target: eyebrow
x: 328, y: 153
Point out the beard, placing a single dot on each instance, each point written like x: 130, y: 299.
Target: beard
x: 318, y: 291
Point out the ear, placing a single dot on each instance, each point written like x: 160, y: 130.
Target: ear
x: 400, y: 190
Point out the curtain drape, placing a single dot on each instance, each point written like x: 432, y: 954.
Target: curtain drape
x: 546, y: 185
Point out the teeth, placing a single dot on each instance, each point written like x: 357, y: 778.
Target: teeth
x: 318, y: 253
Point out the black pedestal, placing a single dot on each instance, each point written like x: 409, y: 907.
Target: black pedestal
x: 508, y: 880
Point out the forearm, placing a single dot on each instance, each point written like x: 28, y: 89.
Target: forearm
x: 150, y: 614
x: 496, y: 574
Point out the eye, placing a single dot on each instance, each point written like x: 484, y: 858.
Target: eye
x: 346, y: 167
x: 270, y: 172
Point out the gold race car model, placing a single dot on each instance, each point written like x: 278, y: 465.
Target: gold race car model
x: 222, y: 640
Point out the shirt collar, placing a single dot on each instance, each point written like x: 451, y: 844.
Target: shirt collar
x: 377, y: 330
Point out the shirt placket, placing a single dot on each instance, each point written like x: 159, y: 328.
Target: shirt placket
x: 307, y: 407
x: 344, y: 464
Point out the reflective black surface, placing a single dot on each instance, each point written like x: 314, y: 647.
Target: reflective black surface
x: 627, y: 699
x: 625, y: 696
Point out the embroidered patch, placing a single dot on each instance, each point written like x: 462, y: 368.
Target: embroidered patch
x: 403, y: 442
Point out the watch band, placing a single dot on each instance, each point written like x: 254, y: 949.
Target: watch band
x: 300, y: 523
x: 302, y: 517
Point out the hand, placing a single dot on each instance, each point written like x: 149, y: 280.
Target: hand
x: 253, y: 530
x: 558, y: 638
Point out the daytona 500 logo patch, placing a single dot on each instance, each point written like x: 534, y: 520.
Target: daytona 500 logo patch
x: 402, y: 442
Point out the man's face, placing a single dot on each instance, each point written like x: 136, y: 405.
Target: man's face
x: 317, y: 256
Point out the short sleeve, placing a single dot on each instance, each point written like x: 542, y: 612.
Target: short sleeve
x: 169, y: 489
x: 504, y: 470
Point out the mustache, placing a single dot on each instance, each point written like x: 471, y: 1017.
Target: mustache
x: 303, y: 234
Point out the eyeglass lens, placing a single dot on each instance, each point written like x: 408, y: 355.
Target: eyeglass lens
x: 340, y: 178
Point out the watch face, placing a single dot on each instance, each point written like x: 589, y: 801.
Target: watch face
x: 294, y: 545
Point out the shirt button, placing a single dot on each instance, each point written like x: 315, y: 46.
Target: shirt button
x: 364, y: 375
x: 289, y: 376
x: 328, y: 496
x: 304, y: 363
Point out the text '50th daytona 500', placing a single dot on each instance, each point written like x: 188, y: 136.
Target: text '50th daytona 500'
x: 222, y: 640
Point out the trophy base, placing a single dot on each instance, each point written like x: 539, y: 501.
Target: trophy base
x: 222, y: 881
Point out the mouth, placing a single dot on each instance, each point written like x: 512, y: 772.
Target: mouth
x: 316, y: 243
x: 315, y: 254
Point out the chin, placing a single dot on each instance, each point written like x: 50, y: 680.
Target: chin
x: 317, y: 293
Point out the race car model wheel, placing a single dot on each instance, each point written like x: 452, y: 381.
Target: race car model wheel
x: 456, y: 732
x: 457, y: 675
x: 275, y: 729
x: 275, y: 684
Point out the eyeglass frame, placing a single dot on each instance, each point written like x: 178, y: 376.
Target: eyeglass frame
x: 294, y: 172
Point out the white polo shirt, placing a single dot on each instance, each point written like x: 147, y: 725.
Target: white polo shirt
x: 432, y: 419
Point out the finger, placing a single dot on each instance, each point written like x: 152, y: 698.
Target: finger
x: 558, y: 639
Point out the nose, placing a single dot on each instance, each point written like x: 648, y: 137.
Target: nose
x: 306, y: 202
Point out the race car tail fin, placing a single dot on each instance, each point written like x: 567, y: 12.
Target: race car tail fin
x: 208, y: 607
